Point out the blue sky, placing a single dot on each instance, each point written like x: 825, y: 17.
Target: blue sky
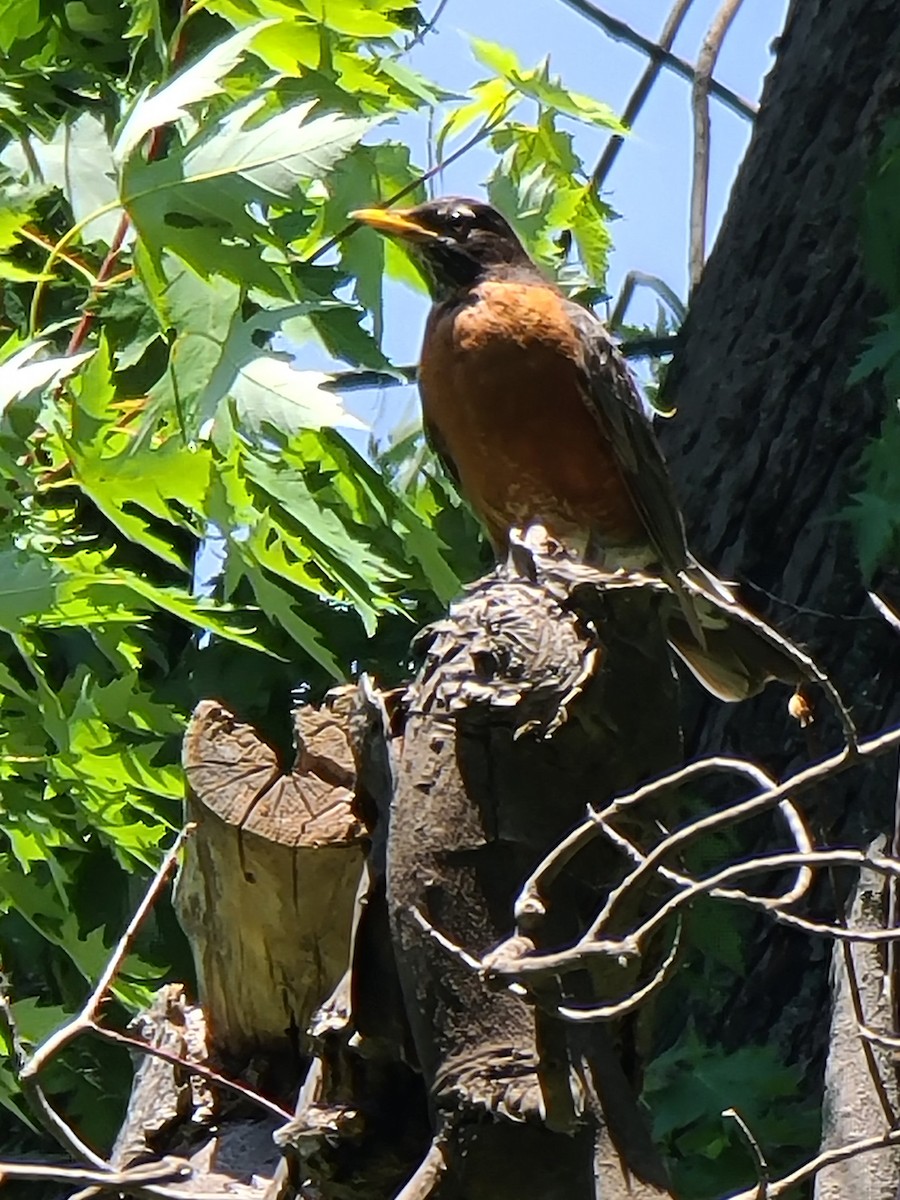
x: 649, y: 184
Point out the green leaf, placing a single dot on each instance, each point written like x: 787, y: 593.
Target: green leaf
x: 538, y: 85
x: 27, y: 371
x: 492, y: 99
x: 77, y: 159
x: 12, y: 221
x: 353, y: 17
x: 537, y: 183
x: 199, y: 201
x: 496, y: 58
x: 20, y: 20
x: 200, y: 81
x: 221, y: 354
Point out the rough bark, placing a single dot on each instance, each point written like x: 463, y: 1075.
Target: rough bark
x: 229, y: 1149
x: 852, y: 1108
x: 768, y: 433
x: 523, y: 1103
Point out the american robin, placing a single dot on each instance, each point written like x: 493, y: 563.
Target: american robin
x: 533, y: 411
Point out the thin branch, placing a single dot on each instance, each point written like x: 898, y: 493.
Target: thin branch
x: 86, y: 1018
x: 427, y: 28
x: 480, y: 134
x: 827, y: 1158
x: 401, y: 376
x: 620, y: 31
x: 108, y: 1181
x: 893, y: 912
x: 762, y: 1167
x: 642, y: 90
x: 612, y: 1012
x: 552, y: 864
x: 427, y: 1179
x: 108, y: 266
x: 629, y: 945
x: 889, y: 614
x: 37, y: 1101
x: 803, y: 882
x: 806, y: 665
x: 641, y: 279
x: 706, y: 61
x: 456, y: 952
x: 192, y: 1067
x: 887, y: 1041
x: 856, y: 1000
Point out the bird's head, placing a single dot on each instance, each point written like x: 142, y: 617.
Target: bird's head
x: 456, y: 243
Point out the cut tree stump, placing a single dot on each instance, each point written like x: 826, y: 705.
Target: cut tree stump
x: 265, y: 893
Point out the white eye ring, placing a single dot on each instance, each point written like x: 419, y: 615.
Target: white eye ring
x: 461, y: 220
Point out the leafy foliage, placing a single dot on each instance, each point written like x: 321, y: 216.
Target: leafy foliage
x: 539, y: 179
x: 183, y: 512
x: 691, y: 1085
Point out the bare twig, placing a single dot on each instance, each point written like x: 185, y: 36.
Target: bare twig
x: 612, y: 1012
x: 641, y: 279
x: 706, y: 61
x: 427, y: 28
x: 629, y: 945
x: 52, y: 1045
x: 107, y: 1181
x: 620, y: 31
x: 893, y: 913
x: 192, y: 1067
x: 762, y: 1167
x: 855, y: 993
x: 34, y: 1095
x: 806, y: 666
x: 551, y: 865
x: 889, y: 614
x: 802, y: 883
x: 642, y: 90
x: 827, y: 1158
x: 427, y: 1179
x: 887, y: 1041
x: 108, y: 266
x: 480, y: 134
x: 401, y: 376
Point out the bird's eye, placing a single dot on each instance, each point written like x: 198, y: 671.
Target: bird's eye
x: 460, y: 222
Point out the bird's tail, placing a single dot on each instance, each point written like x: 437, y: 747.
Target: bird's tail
x: 731, y: 652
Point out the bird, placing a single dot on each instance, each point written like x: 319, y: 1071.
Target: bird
x: 533, y: 411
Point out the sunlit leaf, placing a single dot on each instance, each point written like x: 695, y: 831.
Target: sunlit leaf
x: 199, y: 81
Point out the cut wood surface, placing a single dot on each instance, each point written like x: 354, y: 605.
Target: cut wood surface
x: 267, y: 885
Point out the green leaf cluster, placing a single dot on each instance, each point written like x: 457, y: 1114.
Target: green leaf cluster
x: 183, y: 511
x: 539, y: 179
x: 691, y: 1085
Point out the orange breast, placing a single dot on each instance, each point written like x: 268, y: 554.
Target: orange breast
x: 501, y: 387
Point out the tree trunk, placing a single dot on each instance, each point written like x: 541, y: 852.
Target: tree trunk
x: 768, y: 433
x: 517, y: 720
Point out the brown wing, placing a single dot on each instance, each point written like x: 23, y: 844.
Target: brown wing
x: 612, y: 396
x: 438, y: 445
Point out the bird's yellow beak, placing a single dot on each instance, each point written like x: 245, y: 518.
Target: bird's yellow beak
x: 395, y: 222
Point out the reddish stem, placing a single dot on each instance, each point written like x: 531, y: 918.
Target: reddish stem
x: 83, y: 328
